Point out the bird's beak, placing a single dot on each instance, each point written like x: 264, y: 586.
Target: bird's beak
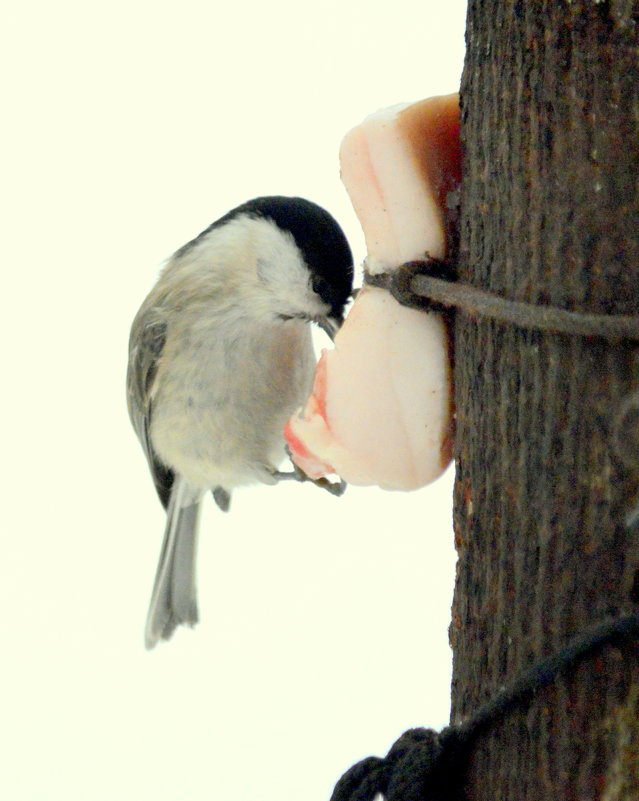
x: 330, y: 325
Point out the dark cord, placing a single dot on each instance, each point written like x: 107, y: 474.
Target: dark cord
x: 425, y: 765
x: 429, y: 285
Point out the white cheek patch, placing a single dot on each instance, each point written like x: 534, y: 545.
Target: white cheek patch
x: 281, y: 268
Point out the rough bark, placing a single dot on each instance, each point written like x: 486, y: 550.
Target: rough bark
x: 550, y: 129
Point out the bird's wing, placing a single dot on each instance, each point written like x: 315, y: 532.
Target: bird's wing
x: 146, y: 344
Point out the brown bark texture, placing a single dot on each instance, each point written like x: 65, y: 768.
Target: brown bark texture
x: 549, y: 215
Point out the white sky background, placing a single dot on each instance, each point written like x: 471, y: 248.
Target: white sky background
x: 128, y: 128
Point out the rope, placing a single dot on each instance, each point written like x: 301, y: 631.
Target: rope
x: 428, y: 285
x: 425, y: 765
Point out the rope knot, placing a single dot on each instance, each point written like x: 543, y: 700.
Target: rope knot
x: 425, y: 765
x: 413, y: 770
x: 399, y: 282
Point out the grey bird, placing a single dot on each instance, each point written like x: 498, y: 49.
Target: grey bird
x: 220, y: 356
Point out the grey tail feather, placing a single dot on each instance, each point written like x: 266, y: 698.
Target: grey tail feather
x: 174, y: 597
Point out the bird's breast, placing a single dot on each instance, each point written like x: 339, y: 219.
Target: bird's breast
x: 221, y: 402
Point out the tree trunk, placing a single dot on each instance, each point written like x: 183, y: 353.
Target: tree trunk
x: 550, y: 129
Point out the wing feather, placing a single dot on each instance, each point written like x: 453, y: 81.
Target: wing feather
x: 148, y: 336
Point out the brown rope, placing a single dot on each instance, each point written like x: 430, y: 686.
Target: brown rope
x: 420, y: 284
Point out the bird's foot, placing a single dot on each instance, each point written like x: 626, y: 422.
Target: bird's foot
x: 336, y: 488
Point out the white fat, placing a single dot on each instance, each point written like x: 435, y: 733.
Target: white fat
x: 387, y: 400
x: 396, y: 207
x: 381, y: 409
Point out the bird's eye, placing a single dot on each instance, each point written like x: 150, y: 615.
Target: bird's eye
x: 299, y: 316
x: 320, y: 286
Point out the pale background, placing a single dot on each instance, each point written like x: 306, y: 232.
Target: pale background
x: 127, y: 128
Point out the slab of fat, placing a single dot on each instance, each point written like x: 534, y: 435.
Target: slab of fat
x: 398, y: 167
x: 381, y: 410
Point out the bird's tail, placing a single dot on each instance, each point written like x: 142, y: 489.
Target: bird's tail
x: 174, y: 598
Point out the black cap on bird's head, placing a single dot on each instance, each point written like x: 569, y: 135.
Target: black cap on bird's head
x: 319, y: 238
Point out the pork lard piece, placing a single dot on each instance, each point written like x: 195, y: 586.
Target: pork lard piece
x: 365, y: 419
x: 398, y: 167
x: 381, y: 407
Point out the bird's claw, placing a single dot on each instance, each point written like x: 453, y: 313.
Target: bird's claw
x: 336, y: 488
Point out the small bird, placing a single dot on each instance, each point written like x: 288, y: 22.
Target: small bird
x: 220, y: 356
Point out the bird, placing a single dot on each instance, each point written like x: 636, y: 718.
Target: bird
x: 220, y: 355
